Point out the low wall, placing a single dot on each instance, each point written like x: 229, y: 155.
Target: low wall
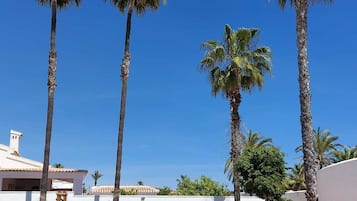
x: 295, y: 195
x: 51, y: 196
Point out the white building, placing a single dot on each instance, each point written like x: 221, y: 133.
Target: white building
x: 21, y: 174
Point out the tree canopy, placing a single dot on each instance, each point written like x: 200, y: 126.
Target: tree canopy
x: 202, y: 186
x: 262, y: 171
x: 324, y: 146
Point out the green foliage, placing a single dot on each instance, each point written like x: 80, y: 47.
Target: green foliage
x: 96, y: 175
x: 165, y: 191
x: 130, y: 192
x: 296, y: 178
x: 254, y: 139
x: 139, y: 6
x: 262, y: 171
x: 345, y: 154
x: 235, y: 63
x: 60, y: 3
x: 58, y: 165
x: 250, y: 140
x: 324, y: 146
x: 203, y: 186
x: 140, y: 183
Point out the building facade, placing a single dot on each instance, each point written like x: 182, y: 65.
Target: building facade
x: 22, y: 174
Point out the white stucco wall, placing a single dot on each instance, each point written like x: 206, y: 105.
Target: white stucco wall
x: 35, y: 195
x: 338, y: 181
x: 295, y: 195
x: 7, y: 160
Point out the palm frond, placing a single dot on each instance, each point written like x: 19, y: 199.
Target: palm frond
x: 140, y: 6
x: 282, y: 3
x: 61, y: 4
x: 228, y: 169
x: 324, y: 146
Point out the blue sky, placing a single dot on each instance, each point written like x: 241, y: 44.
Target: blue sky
x: 173, y: 124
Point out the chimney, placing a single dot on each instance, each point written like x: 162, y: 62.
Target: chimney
x: 15, y: 140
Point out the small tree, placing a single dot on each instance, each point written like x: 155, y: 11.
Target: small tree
x: 140, y: 183
x: 128, y: 192
x: 58, y: 165
x: 96, y: 175
x: 250, y: 140
x: 203, y: 186
x: 262, y: 171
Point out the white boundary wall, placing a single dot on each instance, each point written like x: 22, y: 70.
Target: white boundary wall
x: 295, y: 195
x: 338, y: 182
x: 51, y: 196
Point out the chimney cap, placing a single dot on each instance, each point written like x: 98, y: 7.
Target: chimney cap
x: 13, y: 132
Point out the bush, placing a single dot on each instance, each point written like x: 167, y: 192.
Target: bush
x: 262, y: 172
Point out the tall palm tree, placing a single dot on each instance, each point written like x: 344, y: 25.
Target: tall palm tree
x: 250, y: 140
x: 301, y: 8
x: 345, y: 154
x: 324, y: 146
x: 52, y: 66
x: 234, y: 65
x: 96, y: 175
x: 140, y: 7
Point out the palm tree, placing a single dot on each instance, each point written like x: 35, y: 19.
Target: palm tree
x: 96, y: 175
x: 139, y: 6
x: 58, y: 165
x: 324, y: 146
x: 235, y: 65
x: 255, y: 140
x: 301, y: 8
x: 345, y: 154
x: 52, y: 65
x: 296, y: 179
x: 250, y: 140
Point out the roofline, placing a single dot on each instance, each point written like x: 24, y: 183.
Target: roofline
x: 40, y: 170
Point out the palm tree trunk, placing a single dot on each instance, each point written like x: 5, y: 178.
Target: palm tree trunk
x: 124, y: 76
x: 235, y: 100
x: 52, y: 65
x: 305, y: 101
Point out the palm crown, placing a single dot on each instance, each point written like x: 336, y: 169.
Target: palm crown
x: 139, y: 5
x: 235, y: 63
x: 60, y: 3
x: 282, y: 3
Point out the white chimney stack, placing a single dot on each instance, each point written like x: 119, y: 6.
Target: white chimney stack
x: 15, y: 140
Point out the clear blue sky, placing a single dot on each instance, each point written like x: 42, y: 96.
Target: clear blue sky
x: 173, y: 124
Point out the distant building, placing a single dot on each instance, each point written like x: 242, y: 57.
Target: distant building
x: 21, y: 174
x: 108, y: 190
